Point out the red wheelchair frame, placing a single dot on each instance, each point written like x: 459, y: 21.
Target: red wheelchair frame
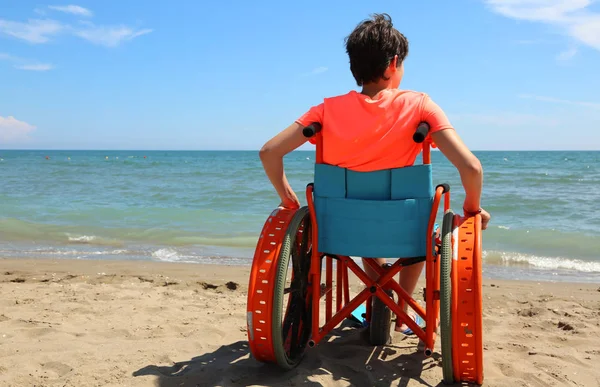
x: 462, y: 351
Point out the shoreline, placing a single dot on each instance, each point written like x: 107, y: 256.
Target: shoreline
x: 521, y: 272
x: 237, y: 272
x: 141, y: 323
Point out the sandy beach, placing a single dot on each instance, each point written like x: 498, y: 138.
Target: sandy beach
x: 118, y: 323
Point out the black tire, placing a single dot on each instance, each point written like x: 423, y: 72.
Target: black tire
x: 297, y: 319
x: 446, y: 297
x: 381, y: 322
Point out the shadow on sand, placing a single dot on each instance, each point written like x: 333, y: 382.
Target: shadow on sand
x: 342, y: 356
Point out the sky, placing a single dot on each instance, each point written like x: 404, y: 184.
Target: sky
x: 146, y: 74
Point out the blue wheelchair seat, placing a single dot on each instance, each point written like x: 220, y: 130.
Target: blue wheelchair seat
x: 381, y: 214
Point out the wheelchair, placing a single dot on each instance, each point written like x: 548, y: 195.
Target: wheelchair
x: 386, y: 213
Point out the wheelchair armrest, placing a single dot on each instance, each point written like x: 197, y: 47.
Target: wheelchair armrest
x: 311, y: 129
x: 421, y: 132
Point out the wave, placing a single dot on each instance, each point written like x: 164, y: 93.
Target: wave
x: 173, y: 255
x: 89, y: 239
x: 242, y: 231
x: 13, y: 230
x: 543, y: 242
x: 503, y: 258
x: 503, y: 245
x: 496, y: 264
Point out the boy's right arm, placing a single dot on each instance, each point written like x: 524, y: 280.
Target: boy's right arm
x: 447, y: 140
x: 469, y: 168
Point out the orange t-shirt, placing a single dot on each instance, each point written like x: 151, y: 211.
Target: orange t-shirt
x: 370, y: 134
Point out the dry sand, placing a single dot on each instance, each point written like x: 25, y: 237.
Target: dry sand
x: 99, y: 323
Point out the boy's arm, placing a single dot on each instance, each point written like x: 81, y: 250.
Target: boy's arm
x: 469, y: 167
x: 271, y: 155
x: 451, y: 145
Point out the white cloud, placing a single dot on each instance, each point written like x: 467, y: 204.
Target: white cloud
x: 319, y: 70
x: 109, y: 36
x: 572, y: 17
x: 529, y: 41
x: 567, y: 54
x: 594, y: 105
x: 316, y: 71
x: 72, y: 9
x: 538, y: 10
x: 13, y: 130
x: 4, y: 56
x: 32, y: 31
x: 587, y: 30
x: 41, y: 31
x: 35, y: 67
x: 25, y: 64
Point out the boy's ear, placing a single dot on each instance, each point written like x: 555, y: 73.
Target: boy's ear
x: 394, y: 63
x: 392, y: 68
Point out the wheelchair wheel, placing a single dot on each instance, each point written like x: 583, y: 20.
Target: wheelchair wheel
x: 461, y: 321
x: 467, y: 322
x: 446, y: 297
x: 381, y: 322
x: 292, y: 302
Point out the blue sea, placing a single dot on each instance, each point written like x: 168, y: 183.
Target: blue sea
x: 210, y: 206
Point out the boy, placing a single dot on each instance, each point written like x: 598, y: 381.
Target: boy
x: 372, y: 130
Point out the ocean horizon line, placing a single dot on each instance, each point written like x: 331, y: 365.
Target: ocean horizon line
x: 256, y: 150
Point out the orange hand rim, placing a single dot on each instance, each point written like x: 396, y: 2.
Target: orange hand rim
x: 259, y: 311
x: 467, y: 322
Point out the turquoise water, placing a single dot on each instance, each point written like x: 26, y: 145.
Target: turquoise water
x: 209, y: 207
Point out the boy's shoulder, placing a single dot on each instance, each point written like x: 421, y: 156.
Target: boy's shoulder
x: 385, y: 94
x: 407, y: 94
x: 386, y: 99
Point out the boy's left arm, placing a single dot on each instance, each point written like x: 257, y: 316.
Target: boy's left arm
x: 271, y: 155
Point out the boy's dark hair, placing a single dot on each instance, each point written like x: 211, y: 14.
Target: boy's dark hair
x: 372, y: 46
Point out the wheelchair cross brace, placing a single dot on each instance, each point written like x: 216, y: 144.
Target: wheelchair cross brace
x: 374, y: 288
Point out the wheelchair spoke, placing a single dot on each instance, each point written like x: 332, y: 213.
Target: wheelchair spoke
x: 294, y: 320
x: 299, y: 256
x: 296, y: 265
x: 296, y: 324
x: 290, y: 290
x: 300, y: 311
x: 287, y: 321
x: 294, y: 312
x: 306, y: 231
x: 294, y: 343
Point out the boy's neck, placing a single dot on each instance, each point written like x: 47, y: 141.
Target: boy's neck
x: 372, y: 89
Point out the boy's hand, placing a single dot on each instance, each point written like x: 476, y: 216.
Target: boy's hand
x: 291, y: 202
x: 485, y: 219
x: 272, y: 154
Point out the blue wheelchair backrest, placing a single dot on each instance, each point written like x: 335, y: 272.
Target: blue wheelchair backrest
x: 381, y: 214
